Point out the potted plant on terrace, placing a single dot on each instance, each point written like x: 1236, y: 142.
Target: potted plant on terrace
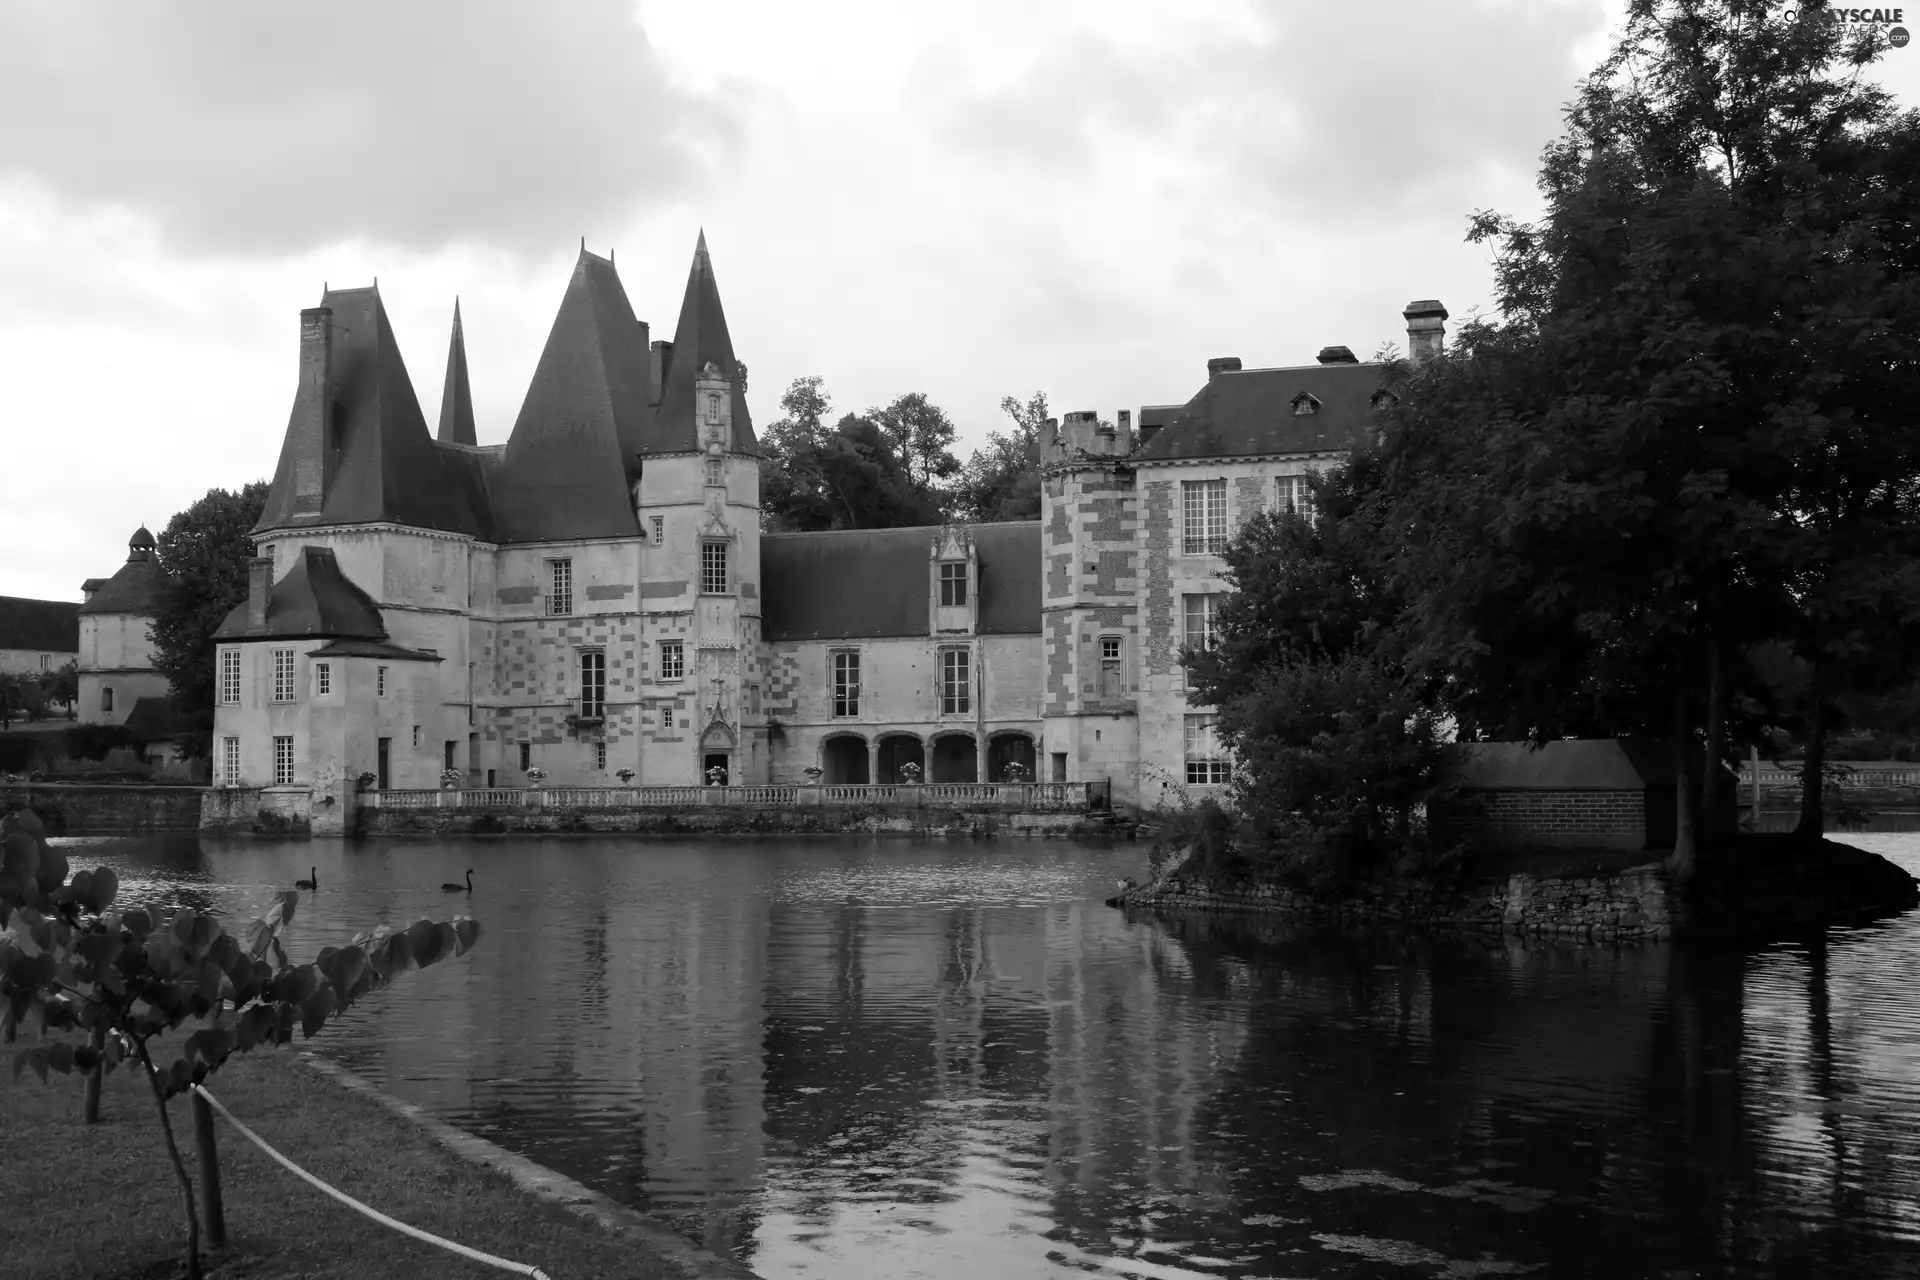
x: 450, y: 778
x: 813, y: 773
x: 536, y: 775
x: 910, y: 773
x: 625, y: 776
x: 1015, y: 772
x: 717, y: 776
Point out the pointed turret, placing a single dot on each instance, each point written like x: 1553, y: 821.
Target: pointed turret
x: 456, y: 401
x: 357, y: 449
x: 575, y: 451
x: 702, y: 354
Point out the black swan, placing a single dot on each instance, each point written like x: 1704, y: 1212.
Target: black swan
x: 309, y: 884
x: 461, y: 888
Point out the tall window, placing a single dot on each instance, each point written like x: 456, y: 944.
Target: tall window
x: 283, y: 762
x: 846, y: 684
x: 446, y: 755
x: 526, y: 756
x: 953, y: 584
x: 659, y: 529
x: 560, y: 598
x: 46, y: 662
x: 713, y: 408
x: 1207, y: 762
x: 1200, y: 621
x: 1291, y: 495
x: 956, y: 687
x: 230, y: 762
x: 380, y: 682
x: 593, y: 683
x: 322, y: 679
x: 1110, y: 684
x: 416, y: 737
x: 283, y: 675
x: 1205, y: 515
x: 600, y: 754
x: 673, y: 659
x: 230, y: 677
x: 713, y: 568
x: 106, y: 700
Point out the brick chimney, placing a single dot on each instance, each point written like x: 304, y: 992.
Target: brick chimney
x: 1426, y: 329
x: 1337, y: 355
x: 310, y: 434
x: 1222, y: 364
x: 660, y: 364
x: 259, y: 587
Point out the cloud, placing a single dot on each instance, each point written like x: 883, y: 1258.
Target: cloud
x: 266, y: 129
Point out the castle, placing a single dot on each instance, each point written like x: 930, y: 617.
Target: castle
x: 595, y: 602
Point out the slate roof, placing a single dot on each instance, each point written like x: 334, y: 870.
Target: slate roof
x: 700, y: 338
x: 153, y: 719
x: 373, y: 649
x: 314, y: 598
x: 456, y: 399
x: 51, y: 626
x: 384, y: 467
x: 874, y: 583
x: 1249, y: 413
x: 137, y: 587
x: 575, y: 451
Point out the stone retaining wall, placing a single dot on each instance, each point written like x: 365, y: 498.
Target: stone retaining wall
x: 734, y: 820
x: 89, y: 809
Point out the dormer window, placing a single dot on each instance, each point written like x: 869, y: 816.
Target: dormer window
x: 1305, y: 406
x: 1382, y: 400
x: 713, y: 408
x: 953, y: 585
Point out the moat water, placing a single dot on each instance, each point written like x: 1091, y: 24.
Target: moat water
x: 891, y: 1059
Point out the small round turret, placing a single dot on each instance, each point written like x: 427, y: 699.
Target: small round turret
x: 141, y: 544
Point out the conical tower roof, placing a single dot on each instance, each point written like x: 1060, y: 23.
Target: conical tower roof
x: 701, y: 339
x: 456, y: 401
x: 575, y: 449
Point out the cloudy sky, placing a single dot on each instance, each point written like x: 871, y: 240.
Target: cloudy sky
x: 969, y: 200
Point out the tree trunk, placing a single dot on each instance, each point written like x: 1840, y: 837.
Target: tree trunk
x: 1711, y: 781
x: 1680, y: 863
x: 1813, y: 823
x: 179, y: 1168
x: 97, y: 1040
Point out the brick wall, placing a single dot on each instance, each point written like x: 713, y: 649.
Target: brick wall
x: 1562, y: 814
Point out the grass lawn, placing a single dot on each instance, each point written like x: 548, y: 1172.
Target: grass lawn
x: 101, y: 1200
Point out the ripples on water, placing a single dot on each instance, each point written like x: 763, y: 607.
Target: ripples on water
x: 950, y: 1060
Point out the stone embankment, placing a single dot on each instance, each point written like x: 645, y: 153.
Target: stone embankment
x: 92, y: 809
x: 1770, y: 886
x: 740, y: 820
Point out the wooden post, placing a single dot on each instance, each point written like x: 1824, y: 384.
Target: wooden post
x: 98, y: 1042
x: 216, y: 1214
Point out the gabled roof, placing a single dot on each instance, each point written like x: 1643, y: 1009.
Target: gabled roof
x: 575, y: 449
x: 874, y: 583
x: 1249, y: 413
x: 314, y: 598
x: 51, y: 626
x: 456, y: 400
x: 379, y: 461
x: 700, y: 339
x: 137, y: 587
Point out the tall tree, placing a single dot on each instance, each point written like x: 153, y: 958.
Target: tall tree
x: 204, y: 551
x: 923, y: 436
x: 1001, y: 480
x: 791, y: 483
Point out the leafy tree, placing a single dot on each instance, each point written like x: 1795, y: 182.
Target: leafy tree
x: 1690, y: 427
x: 1001, y: 480
x: 853, y: 475
x: 923, y: 436
x: 792, y: 485
x: 204, y: 551
x: 864, y: 484
x: 129, y: 978
x: 62, y: 685
x: 19, y: 695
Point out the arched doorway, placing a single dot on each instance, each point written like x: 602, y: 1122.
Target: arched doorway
x: 843, y: 760
x: 897, y: 749
x: 1004, y: 749
x: 955, y: 759
x: 716, y: 752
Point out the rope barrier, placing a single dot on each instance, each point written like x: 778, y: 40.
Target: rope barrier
x: 519, y: 1268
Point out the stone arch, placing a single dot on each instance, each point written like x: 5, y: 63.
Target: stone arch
x: 954, y: 756
x: 897, y: 748
x: 1011, y: 746
x: 843, y: 759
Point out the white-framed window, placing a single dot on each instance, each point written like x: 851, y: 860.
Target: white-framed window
x: 46, y: 662
x: 713, y: 568
x: 230, y: 677
x: 673, y: 659
x: 283, y: 675
x: 1204, y: 517
x: 846, y: 683
x: 380, y: 682
x: 560, y: 580
x: 1111, y: 683
x: 283, y: 761
x: 1207, y: 762
x: 659, y: 529
x: 593, y: 683
x: 953, y: 584
x: 322, y: 679
x: 1201, y: 628
x: 1290, y: 494
x: 600, y: 754
x: 956, y: 682
x: 230, y: 762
